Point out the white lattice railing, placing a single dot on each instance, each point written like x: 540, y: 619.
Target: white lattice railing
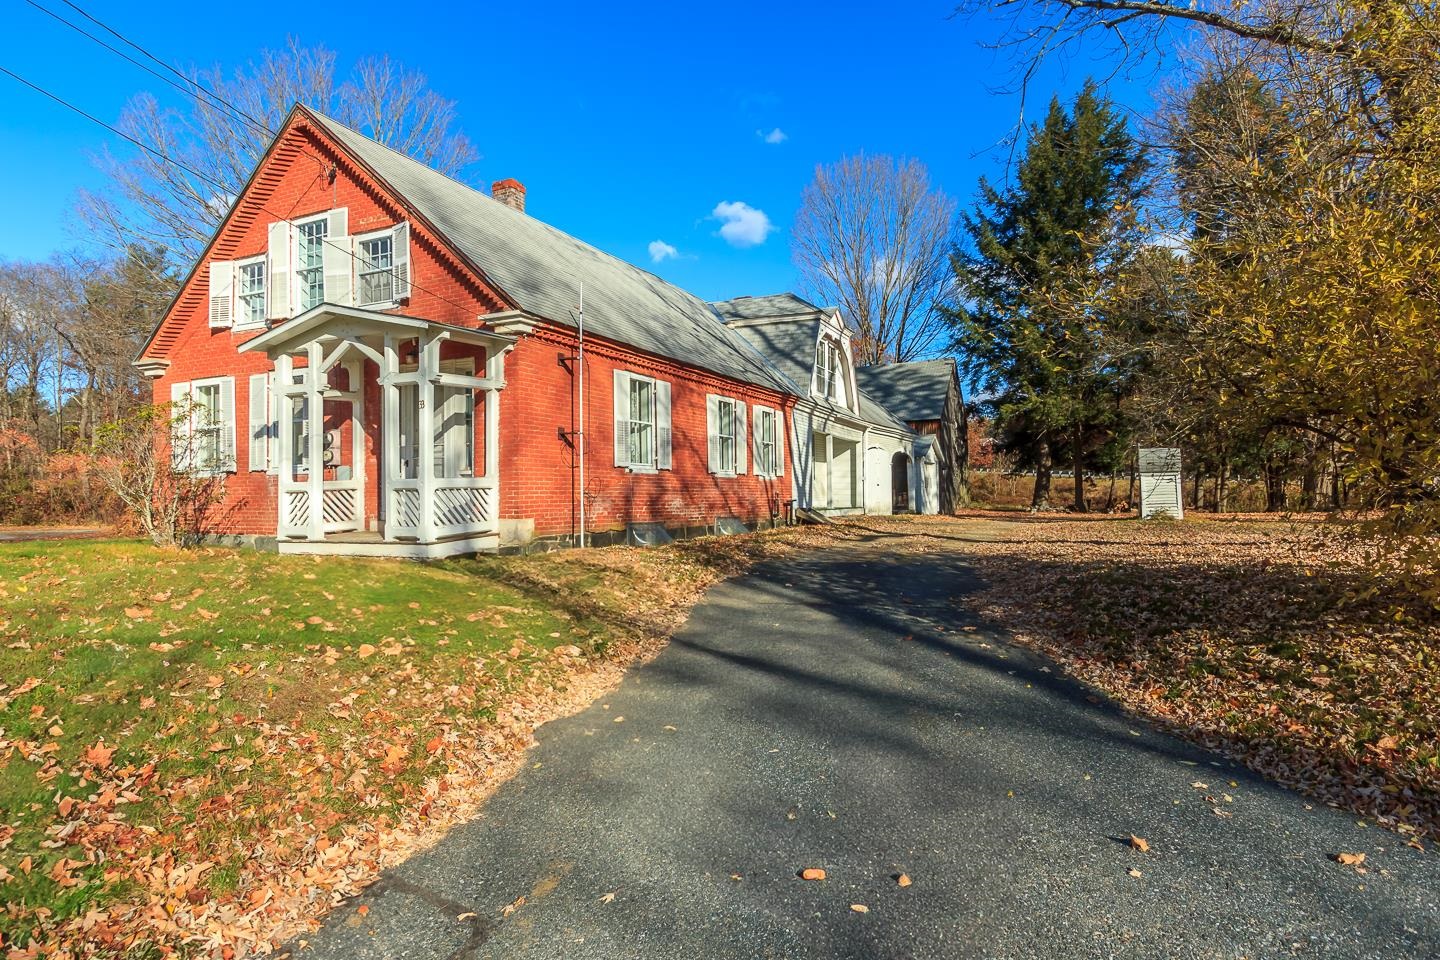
x: 297, y: 509
x: 340, y: 507
x: 404, y: 510
x: 461, y: 506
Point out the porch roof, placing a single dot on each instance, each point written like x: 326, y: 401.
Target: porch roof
x: 333, y: 320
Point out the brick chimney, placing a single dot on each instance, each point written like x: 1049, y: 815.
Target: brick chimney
x: 510, y: 192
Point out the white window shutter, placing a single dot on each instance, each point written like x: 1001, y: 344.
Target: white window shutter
x: 400, y: 253
x: 739, y: 438
x: 712, y: 430
x: 339, y: 264
x: 622, y: 419
x: 278, y: 272
x: 227, y: 424
x: 272, y: 436
x: 222, y: 294
x: 180, y: 426
x: 780, y: 443
x: 757, y: 455
x: 662, y: 424
x: 258, y: 421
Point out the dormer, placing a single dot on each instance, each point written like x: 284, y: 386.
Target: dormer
x: 833, y: 379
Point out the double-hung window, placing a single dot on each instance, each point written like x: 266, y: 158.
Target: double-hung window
x: 725, y: 435
x: 250, y: 285
x: 726, y: 427
x: 642, y: 422
x: 767, y: 450
x: 825, y: 368
x: 640, y: 435
x: 377, y: 269
x: 310, y: 261
x: 203, y: 429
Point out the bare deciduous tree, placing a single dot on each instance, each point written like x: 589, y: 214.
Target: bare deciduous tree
x: 154, y: 202
x: 140, y: 461
x: 874, y: 239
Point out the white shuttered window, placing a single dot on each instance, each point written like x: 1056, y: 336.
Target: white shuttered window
x: 768, y: 441
x: 202, y: 438
x: 726, y: 419
x: 642, y: 422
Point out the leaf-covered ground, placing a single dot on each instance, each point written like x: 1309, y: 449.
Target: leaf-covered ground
x: 1238, y: 634
x: 203, y: 751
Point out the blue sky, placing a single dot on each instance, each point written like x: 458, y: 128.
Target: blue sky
x: 628, y: 124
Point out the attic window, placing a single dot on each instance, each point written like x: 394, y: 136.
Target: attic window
x: 827, y: 369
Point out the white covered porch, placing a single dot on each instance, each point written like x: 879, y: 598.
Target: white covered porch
x: 417, y: 477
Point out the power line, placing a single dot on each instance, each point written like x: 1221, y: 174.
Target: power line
x: 205, y: 177
x: 236, y: 111
x: 150, y: 70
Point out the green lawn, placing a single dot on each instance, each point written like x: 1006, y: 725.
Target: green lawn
x: 170, y: 705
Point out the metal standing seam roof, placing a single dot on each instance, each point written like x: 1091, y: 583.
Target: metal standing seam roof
x: 912, y: 391
x: 541, y: 269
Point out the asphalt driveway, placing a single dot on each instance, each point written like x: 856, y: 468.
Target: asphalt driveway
x: 839, y: 711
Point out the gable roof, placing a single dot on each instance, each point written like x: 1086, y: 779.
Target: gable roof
x: 911, y: 391
x: 540, y: 269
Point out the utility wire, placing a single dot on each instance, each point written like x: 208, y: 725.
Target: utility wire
x: 233, y: 112
x: 205, y: 177
x: 258, y: 124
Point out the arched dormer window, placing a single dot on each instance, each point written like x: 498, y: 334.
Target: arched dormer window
x: 830, y: 373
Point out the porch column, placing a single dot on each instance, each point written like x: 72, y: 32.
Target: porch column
x: 285, y: 472
x: 389, y: 432
x: 829, y: 469
x: 428, y: 366
x: 315, y: 408
x: 495, y: 373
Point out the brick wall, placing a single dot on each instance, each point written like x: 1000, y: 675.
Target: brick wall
x: 538, y: 475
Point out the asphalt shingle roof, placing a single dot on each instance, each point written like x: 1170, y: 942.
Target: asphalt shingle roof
x: 540, y: 268
x: 789, y: 345
x: 911, y: 391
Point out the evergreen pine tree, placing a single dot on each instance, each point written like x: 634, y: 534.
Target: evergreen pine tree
x: 1037, y: 262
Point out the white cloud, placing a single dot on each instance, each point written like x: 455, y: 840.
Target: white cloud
x: 774, y: 136
x: 743, y: 225
x: 660, y: 251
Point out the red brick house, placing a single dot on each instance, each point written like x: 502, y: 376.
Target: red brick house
x: 384, y: 361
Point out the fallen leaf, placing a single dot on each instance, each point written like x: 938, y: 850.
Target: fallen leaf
x: 903, y: 880
x: 362, y: 909
x: 608, y: 897
x: 365, y: 651
x: 466, y: 916
x: 1350, y: 859
x: 99, y: 754
x: 1134, y: 872
x: 1139, y: 843
x: 859, y: 908
x: 812, y: 873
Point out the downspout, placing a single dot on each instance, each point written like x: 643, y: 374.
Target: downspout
x: 580, y: 425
